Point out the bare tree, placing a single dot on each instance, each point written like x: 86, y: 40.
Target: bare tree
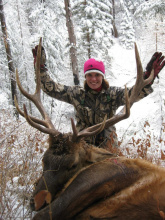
x: 72, y: 39
x: 8, y: 54
x: 88, y: 37
x: 115, y: 33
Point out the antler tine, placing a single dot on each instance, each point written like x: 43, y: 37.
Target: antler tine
x: 30, y: 97
x: 36, y: 99
x: 37, y: 126
x: 41, y: 122
x: 96, y: 129
x: 140, y: 82
x: 91, y: 131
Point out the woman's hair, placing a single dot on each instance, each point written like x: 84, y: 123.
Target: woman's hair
x: 105, y: 85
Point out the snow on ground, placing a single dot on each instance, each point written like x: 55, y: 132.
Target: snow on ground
x: 146, y: 111
x: 3, y: 99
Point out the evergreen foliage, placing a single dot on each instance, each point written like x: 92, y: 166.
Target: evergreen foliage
x: 93, y: 20
x: 126, y: 31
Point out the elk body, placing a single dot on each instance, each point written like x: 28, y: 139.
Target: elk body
x: 81, y: 181
x: 115, y: 188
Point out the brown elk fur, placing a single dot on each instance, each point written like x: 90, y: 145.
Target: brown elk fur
x: 116, y: 188
x: 145, y: 199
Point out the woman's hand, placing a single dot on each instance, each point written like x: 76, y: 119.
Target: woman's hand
x: 43, y: 57
x: 157, y: 63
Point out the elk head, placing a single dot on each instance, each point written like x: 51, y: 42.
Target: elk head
x: 67, y: 153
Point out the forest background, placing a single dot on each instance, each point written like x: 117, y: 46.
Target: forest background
x: 73, y: 31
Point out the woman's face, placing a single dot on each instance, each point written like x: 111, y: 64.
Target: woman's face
x: 94, y: 80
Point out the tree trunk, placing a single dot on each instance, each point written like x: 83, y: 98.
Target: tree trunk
x: 72, y: 39
x: 89, y: 44
x: 88, y: 37
x: 9, y: 57
x: 115, y: 33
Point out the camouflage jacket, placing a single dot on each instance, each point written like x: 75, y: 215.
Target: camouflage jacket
x: 91, y: 106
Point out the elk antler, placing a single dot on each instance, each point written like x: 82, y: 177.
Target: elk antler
x: 47, y: 126
x: 140, y: 82
x: 96, y: 129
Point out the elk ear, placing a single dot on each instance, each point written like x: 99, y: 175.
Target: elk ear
x: 42, y: 197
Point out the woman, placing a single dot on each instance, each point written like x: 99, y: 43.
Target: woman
x: 97, y: 98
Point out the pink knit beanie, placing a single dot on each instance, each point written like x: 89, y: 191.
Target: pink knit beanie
x: 93, y: 65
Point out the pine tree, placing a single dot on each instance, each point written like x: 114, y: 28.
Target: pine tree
x: 94, y: 26
x: 148, y: 15
x: 48, y: 21
x: 132, y: 5
x: 19, y: 35
x: 126, y: 28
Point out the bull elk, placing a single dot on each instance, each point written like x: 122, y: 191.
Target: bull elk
x: 81, y: 181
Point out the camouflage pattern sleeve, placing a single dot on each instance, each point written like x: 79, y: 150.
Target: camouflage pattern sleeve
x: 118, y: 96
x: 145, y: 92
x: 56, y: 90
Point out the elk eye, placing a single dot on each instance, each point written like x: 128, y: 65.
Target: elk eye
x: 74, y: 166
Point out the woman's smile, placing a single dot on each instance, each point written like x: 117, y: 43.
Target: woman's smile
x: 94, y: 80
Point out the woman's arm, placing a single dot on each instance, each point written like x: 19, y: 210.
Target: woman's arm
x: 48, y: 85
x: 117, y: 94
x: 56, y: 90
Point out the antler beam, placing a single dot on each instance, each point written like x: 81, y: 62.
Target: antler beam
x: 47, y: 126
x: 140, y: 82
